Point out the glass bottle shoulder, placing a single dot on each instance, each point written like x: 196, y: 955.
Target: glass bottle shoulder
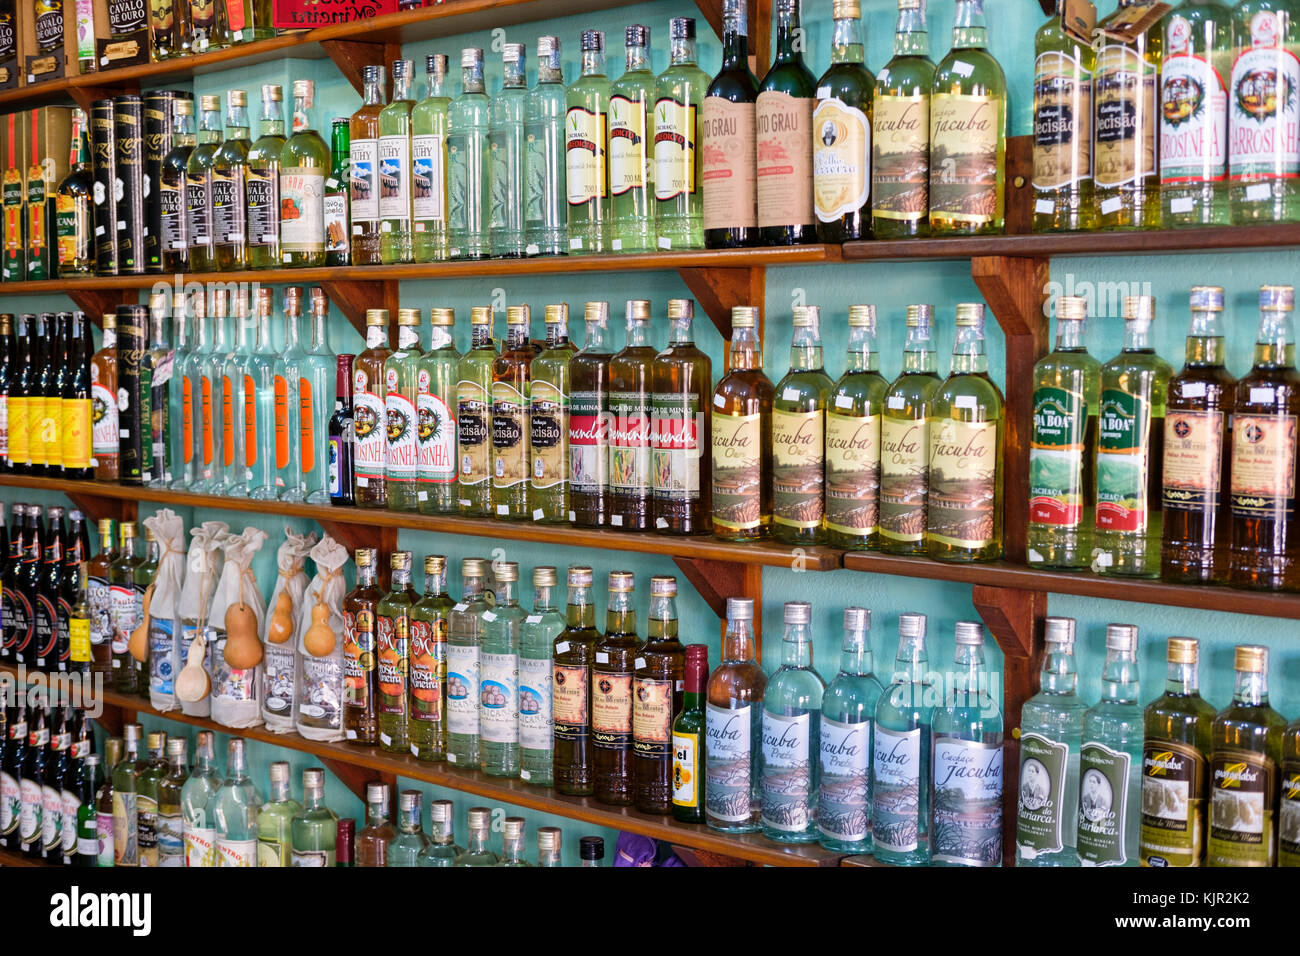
x: 852, y: 83
x: 1053, y: 715
x: 806, y: 389
x: 968, y: 395
x: 971, y: 71
x: 791, y: 77
x: 852, y: 698
x: 1114, y: 723
x: 736, y: 85
x: 794, y: 688
x: 906, y: 75
x: 858, y: 392
x: 544, y: 102
x: 266, y: 149
x: 736, y: 681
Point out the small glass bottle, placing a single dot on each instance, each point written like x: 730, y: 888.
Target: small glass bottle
x: 469, y: 169
x: 436, y: 421
x: 234, y: 810
x: 506, y: 156
x: 402, y: 426
x: 372, y: 840
x: 474, y: 416
x: 741, y: 436
x: 853, y: 412
x: 631, y: 148
x: 429, y: 165
x: 689, y: 734
x: 900, y: 131
x: 545, y: 208
x: 548, y: 846
x: 314, y: 830
x: 442, y: 849
x: 360, y: 680
x: 630, y: 391
x: 363, y: 169
x: 498, y: 689
x: 548, y: 422
x: 393, y: 655
x: 678, y: 141
x: 275, y: 820
x: 900, y: 759
x: 428, y: 663
x: 395, y: 168
x: 537, y: 638
x: 611, y: 694
x: 792, y: 707
x: 734, y: 728
x: 405, y: 848
x: 574, y: 653
x: 799, y: 436
x: 476, y: 852
x: 465, y: 629
x: 587, y: 110
x: 656, y: 698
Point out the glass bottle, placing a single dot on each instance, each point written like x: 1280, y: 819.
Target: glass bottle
x: 498, y: 689
x: 436, y: 374
x: 733, y: 727
x: 126, y: 610
x: 405, y: 848
x: 574, y: 654
x: 1063, y: 142
x: 126, y: 849
x: 263, y: 184
x: 506, y: 156
x: 249, y: 20
x: 369, y: 418
x: 548, y: 422
x: 427, y: 675
x: 729, y: 208
x: 373, y: 839
x: 905, y: 439
x: 474, y: 416
x: 1198, y: 443
x: 611, y: 695
x: 964, y: 513
x: 1265, y: 544
x: 197, y: 807
x: 741, y: 436
x: 1051, y: 734
x: 229, y: 187
x: 1288, y: 848
x: 900, y: 161
x: 401, y: 396
x: 74, y: 205
x: 314, y: 830
x: 1246, y: 743
x: 1174, y: 772
x: 790, y: 731
x: 901, y: 754
x: 537, y: 638
x: 799, y: 436
x: 360, y: 678
x: 512, y: 842
x: 678, y: 133
x: 465, y: 628
x: 258, y: 388
x: 680, y: 478
x: 1063, y: 449
x: 656, y: 698
x: 104, y: 825
x: 338, y: 221
x: 171, y: 819
x: 548, y: 846
x: 429, y: 165
x: 275, y: 819
x: 149, y: 773
x: 853, y: 413
x: 841, y: 124
x: 315, y: 368
x: 198, y: 187
x: 305, y: 161
x: 395, y: 172
x: 510, y: 425
x: 689, y: 733
x: 845, y: 742
x: 442, y: 849
x: 185, y: 396
x: 160, y: 361
x: 1134, y: 388
x: 587, y: 174
x: 86, y: 848
x: 232, y: 473
x: 234, y: 811
x: 363, y: 170
x: 476, y: 851
x: 1127, y: 180
x: 589, y: 494
x: 469, y: 163
x: 342, y: 435
x: 630, y: 391
x: 393, y: 655
x: 783, y: 120
x: 544, y: 193
x: 216, y: 428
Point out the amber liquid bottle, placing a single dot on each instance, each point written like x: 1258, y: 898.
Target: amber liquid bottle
x: 103, y: 410
x: 630, y: 384
x: 679, y: 464
x: 734, y: 722
x: 741, y: 437
x: 1198, y: 441
x: 363, y: 173
x: 611, y: 695
x: 369, y: 415
x: 360, y: 678
x: 1262, y: 497
x: 588, y: 423
x: 656, y: 699
x: 100, y: 598
x: 574, y: 654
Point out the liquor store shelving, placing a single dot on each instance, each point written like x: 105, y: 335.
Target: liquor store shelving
x: 355, y: 765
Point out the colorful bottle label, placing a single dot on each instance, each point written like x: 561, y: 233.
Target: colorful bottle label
x: 1062, y: 122
x: 171, y: 200
x: 391, y: 663
x: 363, y: 180
x: 302, y: 210
x: 652, y: 717
x: 236, y: 852
x: 162, y: 657
x: 105, y: 855
x: 675, y: 456
x: 1173, y: 804
x: 402, y: 455
x: 844, y: 797
x: 737, y: 472
x: 200, y: 846
x: 963, y: 497
x: 570, y: 690
x: 436, y: 431
x: 965, y: 133
x: 588, y: 443
x: 783, y: 133
x: 1242, y: 791
x: 535, y: 721
x: 1263, y: 465
x: 428, y: 179
x: 629, y: 445
x: 611, y: 710
x: 146, y: 827
x: 395, y: 177
x: 370, y: 425
x: 312, y: 858
x: 1263, y: 141
x: 1040, y: 805
x: 473, y: 429
x: 51, y: 822
x: 498, y: 695
x: 584, y: 155
x: 272, y: 852
x: 359, y: 646
x: 900, y: 162
x: 68, y: 830
x: 798, y: 460
x: 11, y: 803
x: 1103, y: 805
x: 1126, y: 116
x: 548, y: 435
x: 1193, y: 110
x: 198, y: 212
x: 76, y: 432
x: 126, y: 851
x: 675, y: 149
x: 428, y: 669
x: 263, y: 190
x: 967, y: 803
x: 852, y: 472
x: 895, y: 777
x: 786, y: 784
x: 1193, y: 460
x: 462, y: 690
x: 904, y: 477
x: 731, y: 199
x: 278, y: 666
x: 629, y: 146
x: 841, y: 162
x: 686, y: 770
x: 1056, y: 458
x: 1288, y: 834
x: 509, y: 436
x: 1123, y: 450
x: 103, y: 429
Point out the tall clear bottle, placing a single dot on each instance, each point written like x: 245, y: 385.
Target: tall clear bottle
x: 791, y: 735
x: 464, y: 641
x: 184, y: 395
x: 901, y: 754
x: 230, y: 187
x: 234, y: 403
x: 728, y: 181
x: 213, y: 412
x: 1063, y: 146
x: 436, y: 492
x: 548, y: 422
x: 630, y: 393
x: 370, y: 420
x: 544, y: 193
x: 537, y: 637
x: 681, y: 422
x: 574, y: 653
x: 506, y: 152
x: 905, y: 439
x: 783, y: 116
x: 734, y: 728
x: 474, y: 416
x: 429, y: 165
x: 305, y: 162
x: 741, y: 439
x: 234, y: 811
x: 853, y: 413
x: 842, y: 133
x: 401, y: 398
x: 198, y: 187
x: 799, y: 436
x: 258, y: 413
x: 631, y: 154
x: 363, y: 169
x: 511, y: 372
x: 197, y: 806
x: 427, y: 673
x: 316, y: 379
x: 586, y: 144
x: 469, y: 163
x: 900, y: 131
x: 161, y: 360
x: 288, y: 424
x: 395, y: 174
x: 263, y: 184
x: 498, y: 690
x: 393, y: 655
x: 679, y: 141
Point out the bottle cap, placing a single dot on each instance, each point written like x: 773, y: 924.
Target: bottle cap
x: 970, y: 314
x: 911, y: 625
x: 473, y: 567
x: 345, y: 838
x: 1206, y: 298
x: 970, y: 633
x: 478, y: 818
x: 513, y: 53
x: 210, y: 104
x: 313, y: 778
x: 1071, y: 308
x: 440, y: 811
x: 798, y: 612
x: 806, y: 316
x: 376, y: 317
x: 409, y: 801
x: 857, y: 619
x: 638, y: 310
x: 272, y: 92
x: 663, y: 585
x: 545, y: 576
x: 442, y: 317
x: 681, y: 28
x: 372, y: 73
x: 862, y: 316
x: 364, y: 557
x: 636, y: 35
x: 434, y: 564
x: 918, y: 314
x: 506, y: 571
x: 377, y: 792
x: 622, y: 582
x: 1121, y: 637
x: 512, y: 828
x: 157, y: 740
x: 740, y: 609
x: 846, y: 10
x: 547, y: 47
x: 279, y: 771
x: 128, y: 529
x: 596, y: 312
x: 436, y: 63
x: 471, y: 57
x: 404, y: 68
x: 681, y: 309
x: 1139, y: 308
x: 557, y: 313
x: 593, y: 41
x: 518, y: 315
x: 1276, y: 298
x: 183, y: 106
x: 305, y: 90
x: 1251, y: 658
x: 744, y: 317
x: 548, y: 839
x: 591, y: 848
x: 408, y: 317
x: 176, y: 747
x: 1059, y: 630
x: 480, y: 315
x: 1182, y: 650
x: 580, y: 576
x: 400, y: 560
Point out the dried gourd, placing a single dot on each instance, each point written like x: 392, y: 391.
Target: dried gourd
x: 319, y: 639
x: 281, y: 627
x: 243, y: 649
x: 192, y: 682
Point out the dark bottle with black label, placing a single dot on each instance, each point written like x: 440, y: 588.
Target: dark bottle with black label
x: 133, y: 394
x: 103, y: 157
x: 128, y: 143
x: 45, y: 603
x: 158, y: 107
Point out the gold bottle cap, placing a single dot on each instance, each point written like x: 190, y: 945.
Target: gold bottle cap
x: 596, y: 312
x: 210, y: 104
x: 149, y: 535
x: 1251, y: 658
x: 919, y: 314
x: 1206, y: 298
x: 6, y: 322
x: 681, y: 309
x: 744, y: 317
x: 440, y: 316
x: 105, y: 525
x: 518, y: 315
x: 236, y: 98
x: 1139, y: 308
x: 545, y: 576
x: 408, y: 316
x: 1276, y: 298
x: 184, y: 106
x: 376, y: 317
x: 364, y: 557
x: 638, y: 310
x: 970, y: 314
x: 663, y: 585
x: 862, y: 316
x: 622, y: 582
x: 1071, y: 308
x: 400, y: 560
x: 1122, y: 637
x: 109, y: 321
x: 806, y: 316
x: 473, y: 567
x: 272, y: 92
x: 480, y: 315
x: 1182, y: 650
x: 506, y: 571
x: 157, y: 740
x: 128, y: 529
x: 1059, y: 630
x: 557, y: 313
x: 580, y: 576
x: 435, y: 564
x: 846, y: 10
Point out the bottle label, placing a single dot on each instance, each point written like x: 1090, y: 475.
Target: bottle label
x: 1262, y: 139
x: 237, y: 852
x: 105, y: 855
x: 171, y: 844
x: 844, y: 797
x: 965, y: 132
x: 896, y: 768
x: 369, y: 426
x: 1288, y: 840
x: 535, y: 724
x: 125, y: 616
x: 588, y: 443
x: 146, y: 828
x: 630, y: 441
x: 737, y: 473
x: 967, y: 803
x: 263, y: 189
x: 1173, y: 804
x: 1242, y: 791
x: 1103, y: 805
x: 900, y: 166
x: 783, y: 132
x: 73, y: 222
x: 1040, y: 805
x: 686, y: 770
x: 11, y: 803
x: 787, y: 772
x: 584, y: 155
x: 71, y: 806
x: 200, y: 846
x: 318, y: 696
x: 675, y: 457
x: 392, y: 661
x: 197, y: 211
x: 904, y: 477
x: 162, y: 661
x: 302, y: 209
x: 31, y: 821
x: 652, y: 717
x: 611, y: 710
x: 1263, y: 465
x: 1193, y: 111
x: 312, y: 858
x: 498, y: 696
x: 171, y: 200
x: 852, y: 473
x: 1193, y: 460
x: 428, y: 177
x: 250, y: 422
x: 394, y: 177
x: 462, y: 690
x: 363, y: 179
x: 675, y: 149
x: 629, y: 145
x: 278, y: 666
x: 436, y: 430
x: 548, y: 437
x: 570, y: 689
x: 187, y: 418
x: 104, y: 430
x: 1126, y: 116
x: 17, y: 429
x: 841, y: 162
x: 100, y: 598
x: 272, y: 852
x: 76, y: 431
x: 51, y: 821
x: 1056, y: 458
x: 206, y: 426
x: 1062, y: 122
x: 509, y: 442
x: 473, y: 412
x: 126, y: 851
x: 229, y: 205
x: 963, y: 482
x: 428, y: 668
x: 798, y: 457
x: 306, y: 428
x: 731, y: 199
x: 228, y: 417
x: 402, y: 461
x: 1123, y: 449
x: 358, y: 657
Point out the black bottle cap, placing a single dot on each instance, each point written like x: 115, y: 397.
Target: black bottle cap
x: 591, y: 848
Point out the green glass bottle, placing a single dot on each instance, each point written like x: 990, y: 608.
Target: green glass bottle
x: 631, y: 151
x: 436, y: 385
x: 263, y: 186
x: 126, y: 847
x: 689, y: 735
x: 464, y: 642
x: 730, y: 202
x: 305, y: 161
x: 1063, y: 146
x: 968, y: 127
x: 545, y: 210
x: 314, y: 829
x: 842, y: 133
x: 395, y: 168
x: 149, y: 774
x: 506, y: 156
x: 798, y: 436
x: 905, y: 439
x: 900, y: 131
x: 401, y: 399
x: 338, y: 219
x: 198, y: 187
x: 548, y: 422
x: 393, y: 655
x: 229, y: 187
x: 474, y: 416
x: 678, y: 142
x: 469, y: 171
x: 127, y: 670
x: 429, y: 165
x: 783, y: 128
x: 428, y: 663
x: 586, y: 144
x: 510, y: 432
x: 275, y: 820
x: 853, y: 413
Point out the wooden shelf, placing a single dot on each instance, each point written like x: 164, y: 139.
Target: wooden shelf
x: 16, y: 858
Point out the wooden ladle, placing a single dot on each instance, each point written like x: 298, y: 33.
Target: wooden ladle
x: 192, y: 682
x: 138, y: 643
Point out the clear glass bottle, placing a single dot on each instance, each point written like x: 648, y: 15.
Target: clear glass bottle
x: 234, y: 811
x: 474, y: 416
x: 363, y: 168
x: 574, y: 654
x: 681, y: 417
x: 1063, y: 142
x: 548, y: 422
x: 465, y: 629
x: 395, y: 173
x: 402, y: 426
x: 126, y: 848
x: 393, y: 655
x: 197, y: 805
x: 678, y: 135
x: 257, y: 377
x: 900, y: 131
x: 853, y: 413
x: 799, y: 436
x: 506, y: 155
x: 905, y: 439
x: 611, y: 694
x: 511, y: 372
x: 469, y: 163
x: 314, y: 828
x: 512, y: 842
x: 212, y: 412
x: 372, y: 840
x: 730, y: 202
x: 175, y: 238
x: 900, y: 759
x: 656, y: 699
x: 587, y: 179
x: 476, y: 851
x: 786, y: 97
x: 791, y: 735
x: 498, y: 690
x: 405, y: 848
x: 842, y: 133
x: 544, y: 194
x: 263, y: 183
x: 198, y: 187
x: 442, y: 849
x: 537, y: 638
x: 161, y: 361
x: 436, y: 422
x: 734, y: 728
x: 741, y: 439
x: 548, y: 846
x: 630, y: 393
x: 305, y: 162
x: 316, y: 378
x: 429, y: 165
x: 233, y: 473
x: 288, y: 409
x: 428, y: 663
x: 275, y: 820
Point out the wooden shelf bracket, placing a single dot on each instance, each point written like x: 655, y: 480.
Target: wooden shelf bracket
x: 718, y: 580
x: 719, y: 289
x: 352, y: 56
x: 354, y: 297
x: 97, y: 303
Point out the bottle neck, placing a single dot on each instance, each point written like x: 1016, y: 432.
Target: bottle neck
x: 507, y: 594
x: 787, y: 33
x: 861, y: 354
x: 846, y: 41
x: 373, y: 93
x: 1058, y: 674
x: 340, y: 144
x: 679, y: 332
x: 542, y: 599
x: 968, y: 356
x: 548, y: 856
x: 662, y: 619
x: 291, y: 317
x: 471, y: 587
x: 302, y: 114
x: 478, y: 839
x: 516, y: 336
x: 968, y: 28
x: 596, y: 339
x: 805, y: 348
x: 366, y: 576
x: 182, y: 135
x: 579, y: 611
x: 620, y: 618
x: 237, y: 122
x: 1069, y: 335
x: 911, y: 38
x: 638, y: 333
x: 471, y: 79
x: 236, y: 768
x: 272, y: 118
x: 1119, y: 677
x: 481, y: 336
x: 402, y: 87
x: 796, y: 646
x: 1182, y: 679
x: 400, y: 579
x: 512, y: 849
x: 557, y: 335
x: 279, y: 791
x: 203, y: 762
x: 681, y: 51
x: 412, y: 818
x: 1274, y: 346
x: 210, y: 127
x: 1251, y: 689
x: 1137, y: 335
x: 593, y: 63
x: 377, y: 813
x: 320, y: 331
x: 911, y: 661
x: 918, y: 350
x: 968, y: 672
x: 435, y: 582
x: 745, y: 352
x: 735, y: 40
x: 442, y: 832
x: 313, y: 798
x: 1205, y: 342
x: 855, y: 653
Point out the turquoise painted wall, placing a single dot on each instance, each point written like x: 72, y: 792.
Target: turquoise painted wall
x: 890, y: 286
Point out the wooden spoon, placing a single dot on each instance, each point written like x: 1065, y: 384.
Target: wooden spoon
x: 192, y: 682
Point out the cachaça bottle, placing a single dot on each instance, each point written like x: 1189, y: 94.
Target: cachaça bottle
x: 741, y: 437
x: 410, y: 841
x: 393, y: 655
x: 464, y: 638
x: 428, y: 663
x: 678, y: 139
x: 86, y: 845
x: 853, y: 413
x: 342, y: 435
x: 338, y: 226
x: 841, y: 159
x: 901, y: 753
x: 783, y: 132
x: 103, y: 392
x: 905, y: 439
x: 429, y: 165
x: 476, y: 853
x: 968, y: 122
x: 586, y: 145
x: 548, y: 422
x: 263, y: 184
x: 275, y: 818
x: 680, y: 473
x: 363, y: 169
x: 589, y: 438
x: 98, y: 591
x: 631, y: 151
x: 229, y: 469
x: 537, y: 638
x: 1194, y: 114
x: 474, y: 416
x: 1175, y: 755
x: 1262, y: 496
x: 373, y: 839
x: 1063, y: 449
x: 656, y: 698
x: 1051, y: 734
x: 126, y: 851
x: 963, y: 519
x: 469, y: 163
x: 506, y: 152
x: 175, y: 241
x: 1126, y: 177
x: 46, y: 605
x: 198, y: 187
x: 1288, y: 847
x: 791, y: 735
x: 498, y: 688
x: 56, y: 764
x: 305, y: 162
x: 126, y: 599
x: 442, y: 850
x: 510, y: 426
x: 229, y: 187
x: 799, y: 436
x: 74, y: 205
x: 1195, y: 543
x: 314, y: 832
x: 370, y: 421
x: 149, y: 773
x: 630, y: 395
x: 258, y: 373
x: 212, y: 414
x: 545, y: 209
x: 186, y: 367
x: 689, y: 734
x: 729, y: 207
x: 360, y: 679
x: 196, y: 802
x: 1246, y: 748
x: 171, y: 820
x: 395, y: 168
x: 611, y: 695
x: 1131, y: 433
x: 1063, y: 147
x: 17, y: 405
x: 845, y: 744
x: 436, y: 422
x: 157, y: 425
x: 401, y: 420
x: 315, y: 368
x: 574, y: 653
x: 31, y: 807
x: 900, y: 141
x: 1263, y: 152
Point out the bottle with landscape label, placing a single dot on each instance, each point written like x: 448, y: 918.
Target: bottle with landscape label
x: 631, y: 387
x: 360, y: 645
x: 791, y: 735
x: 234, y: 811
x: 901, y: 754
x: 428, y: 663
x: 429, y: 165
x: 741, y: 437
x: 734, y: 728
x: 537, y: 638
x: 465, y: 627
x: 589, y: 422
x: 905, y: 439
x: 548, y: 422
x: 511, y: 371
x: 656, y: 698
x: 498, y: 690
x: 363, y: 169
x: 474, y: 416
x: 680, y: 473
x: 611, y: 694
x: 395, y: 168
x: 799, y: 436
x: 853, y: 413
x: 393, y: 656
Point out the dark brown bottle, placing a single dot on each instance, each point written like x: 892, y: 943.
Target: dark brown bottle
x: 630, y: 385
x: 589, y: 422
x: 656, y: 699
x: 679, y: 466
x: 575, y: 652
x: 611, y: 695
x: 360, y: 678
